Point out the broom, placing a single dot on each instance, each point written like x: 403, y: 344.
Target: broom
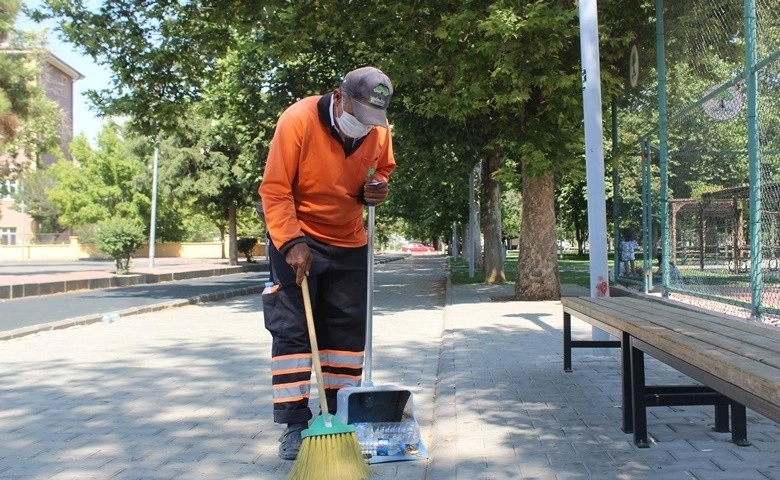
x: 330, y: 449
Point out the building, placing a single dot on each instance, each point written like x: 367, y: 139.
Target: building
x: 57, y: 79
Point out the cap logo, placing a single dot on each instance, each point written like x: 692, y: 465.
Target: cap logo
x: 382, y: 90
x: 376, y: 99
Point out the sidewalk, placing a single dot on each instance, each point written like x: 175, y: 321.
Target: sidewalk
x: 184, y: 393
x: 28, y: 279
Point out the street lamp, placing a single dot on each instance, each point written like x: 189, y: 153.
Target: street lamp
x: 153, y: 222
x: 474, y: 178
x: 21, y: 226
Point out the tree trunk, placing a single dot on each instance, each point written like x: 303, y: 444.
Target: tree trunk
x: 537, y: 266
x: 221, y: 227
x: 472, y: 248
x: 493, y: 267
x: 233, y: 236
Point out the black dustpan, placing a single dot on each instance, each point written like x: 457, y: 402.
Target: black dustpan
x: 369, y: 404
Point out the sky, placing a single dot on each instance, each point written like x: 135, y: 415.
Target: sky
x: 95, y: 76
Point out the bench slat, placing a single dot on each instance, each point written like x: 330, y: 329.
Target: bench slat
x: 758, y: 346
x: 754, y: 333
x: 761, y: 339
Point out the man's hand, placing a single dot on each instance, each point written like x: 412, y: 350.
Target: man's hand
x: 299, y: 258
x: 375, y: 191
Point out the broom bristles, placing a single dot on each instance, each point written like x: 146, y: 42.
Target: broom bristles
x: 330, y: 457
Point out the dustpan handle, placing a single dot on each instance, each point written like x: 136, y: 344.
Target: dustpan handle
x: 368, y: 351
x: 315, y: 350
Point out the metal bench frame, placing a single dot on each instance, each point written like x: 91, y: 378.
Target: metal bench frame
x: 637, y: 395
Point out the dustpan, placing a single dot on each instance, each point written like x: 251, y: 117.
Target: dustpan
x: 378, y: 404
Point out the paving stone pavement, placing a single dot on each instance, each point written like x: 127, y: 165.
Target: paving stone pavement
x: 185, y: 394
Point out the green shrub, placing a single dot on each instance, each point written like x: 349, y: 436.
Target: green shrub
x: 245, y: 245
x: 119, y: 238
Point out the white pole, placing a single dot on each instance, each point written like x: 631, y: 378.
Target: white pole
x: 454, y: 244
x: 594, y: 152
x: 153, y: 222
x: 21, y: 226
x: 472, y: 213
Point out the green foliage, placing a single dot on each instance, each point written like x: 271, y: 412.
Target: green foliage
x: 471, y: 77
x: 157, y: 53
x: 119, y: 238
x: 511, y: 206
x: 101, y: 183
x: 37, y: 204
x: 245, y: 246
x: 572, y: 210
x: 203, y: 165
x: 15, y: 80
x: 572, y: 268
x: 197, y: 227
x: 29, y: 121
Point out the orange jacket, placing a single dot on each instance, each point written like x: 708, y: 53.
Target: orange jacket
x: 311, y: 185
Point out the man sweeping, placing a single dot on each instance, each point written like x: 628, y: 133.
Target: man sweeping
x: 330, y: 156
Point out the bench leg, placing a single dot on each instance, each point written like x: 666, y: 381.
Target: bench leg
x: 638, y: 397
x: 739, y: 424
x: 722, y: 416
x: 628, y: 399
x: 566, y: 342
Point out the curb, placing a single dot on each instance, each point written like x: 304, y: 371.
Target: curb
x: 10, y: 292
x: 443, y: 458
x: 157, y: 278
x: 115, y: 315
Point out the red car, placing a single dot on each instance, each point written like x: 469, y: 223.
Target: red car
x: 417, y: 247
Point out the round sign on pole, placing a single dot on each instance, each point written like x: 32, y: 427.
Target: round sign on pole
x: 724, y: 105
x: 633, y: 69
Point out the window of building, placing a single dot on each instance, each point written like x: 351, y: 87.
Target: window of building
x: 65, y: 86
x: 7, y: 235
x: 8, y: 189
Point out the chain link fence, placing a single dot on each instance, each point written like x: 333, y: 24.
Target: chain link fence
x: 710, y: 189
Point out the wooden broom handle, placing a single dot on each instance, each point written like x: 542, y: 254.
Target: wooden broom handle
x: 315, y: 351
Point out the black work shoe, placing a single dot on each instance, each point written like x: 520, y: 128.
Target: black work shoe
x: 291, y: 441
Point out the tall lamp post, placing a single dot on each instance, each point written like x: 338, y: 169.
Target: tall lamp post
x: 21, y: 227
x: 153, y: 222
x: 594, y: 154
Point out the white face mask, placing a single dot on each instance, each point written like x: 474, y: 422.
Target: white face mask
x: 351, y: 126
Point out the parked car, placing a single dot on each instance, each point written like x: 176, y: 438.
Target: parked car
x: 417, y: 247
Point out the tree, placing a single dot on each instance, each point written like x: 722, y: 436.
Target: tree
x: 202, y: 165
x: 119, y: 238
x: 43, y: 211
x: 511, y: 207
x: 493, y: 266
x: 28, y: 120
x: 573, y: 210
x: 477, y: 78
x: 15, y: 85
x: 101, y: 183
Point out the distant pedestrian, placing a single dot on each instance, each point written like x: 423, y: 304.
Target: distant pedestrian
x: 627, y: 248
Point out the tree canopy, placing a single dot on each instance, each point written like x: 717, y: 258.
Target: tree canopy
x: 28, y: 120
x: 495, y: 83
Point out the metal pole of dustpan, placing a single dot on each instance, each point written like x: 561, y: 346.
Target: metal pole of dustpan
x: 367, y: 382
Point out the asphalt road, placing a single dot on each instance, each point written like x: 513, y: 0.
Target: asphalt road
x: 31, y: 311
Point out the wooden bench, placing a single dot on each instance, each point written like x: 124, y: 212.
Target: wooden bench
x: 736, y: 362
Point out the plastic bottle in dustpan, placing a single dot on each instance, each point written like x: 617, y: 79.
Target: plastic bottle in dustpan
x: 375, y: 405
